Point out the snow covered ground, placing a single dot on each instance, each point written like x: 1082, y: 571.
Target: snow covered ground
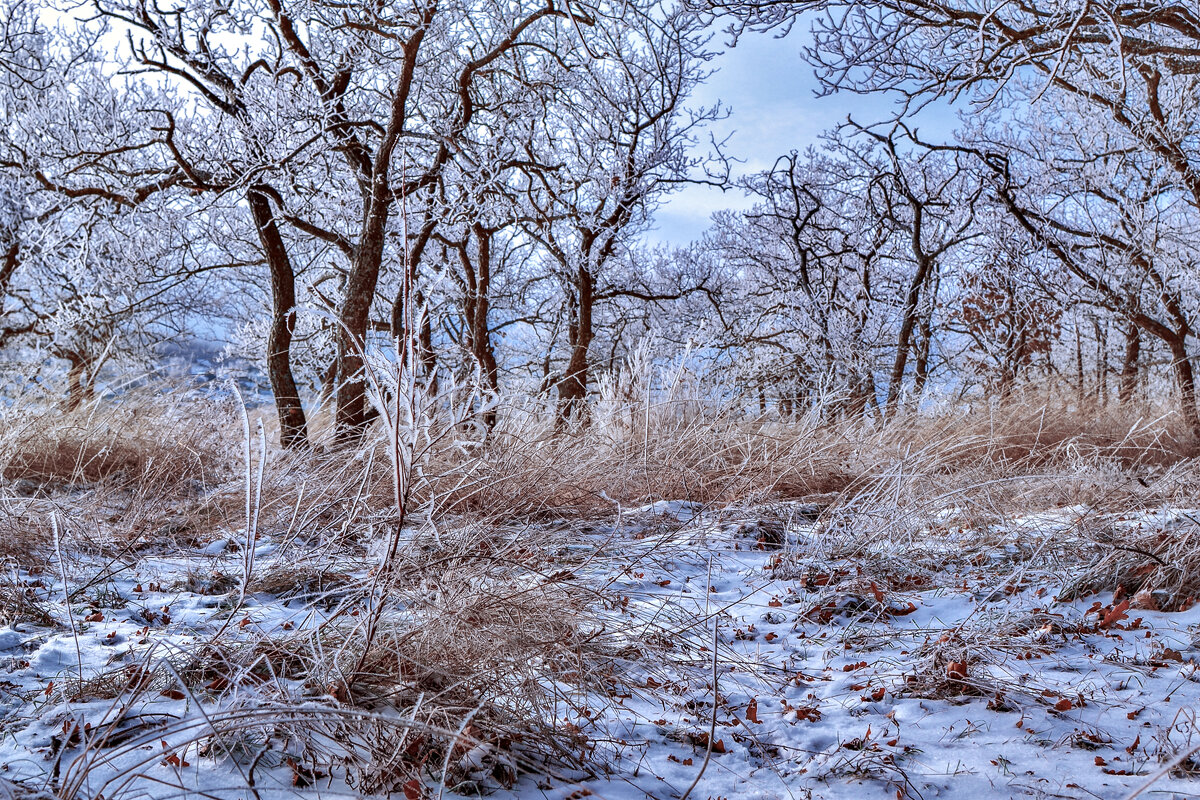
x: 938, y: 664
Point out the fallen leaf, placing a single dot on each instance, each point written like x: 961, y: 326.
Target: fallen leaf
x: 1145, y: 600
x: 1115, y: 614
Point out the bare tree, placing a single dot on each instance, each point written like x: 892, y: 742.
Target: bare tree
x: 616, y: 140
x: 1114, y: 219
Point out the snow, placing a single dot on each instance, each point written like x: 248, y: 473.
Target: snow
x: 216, y: 548
x: 838, y: 676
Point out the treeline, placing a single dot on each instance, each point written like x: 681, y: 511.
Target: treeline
x: 467, y: 186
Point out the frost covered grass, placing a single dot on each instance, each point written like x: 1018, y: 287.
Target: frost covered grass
x: 956, y: 604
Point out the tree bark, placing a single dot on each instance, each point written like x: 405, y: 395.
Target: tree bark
x: 907, y: 323
x: 352, y: 415
x: 1101, y: 361
x: 1080, y: 388
x: 476, y: 305
x: 921, y: 368
x: 407, y: 307
x: 293, y: 426
x: 572, y: 389
x: 77, y: 381
x: 1129, y: 365
x: 1185, y: 381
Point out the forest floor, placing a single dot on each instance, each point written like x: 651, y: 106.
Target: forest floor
x: 825, y: 646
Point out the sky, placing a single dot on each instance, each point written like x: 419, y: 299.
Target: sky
x: 771, y: 93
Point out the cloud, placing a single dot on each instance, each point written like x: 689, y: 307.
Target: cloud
x: 772, y: 95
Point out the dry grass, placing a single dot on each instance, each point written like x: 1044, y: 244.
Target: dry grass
x: 461, y: 656
x: 722, y: 457
x: 146, y: 438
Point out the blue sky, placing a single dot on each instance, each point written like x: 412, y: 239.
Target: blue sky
x: 771, y: 92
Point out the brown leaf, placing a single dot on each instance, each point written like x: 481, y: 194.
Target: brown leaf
x: 1115, y: 614
x: 875, y: 591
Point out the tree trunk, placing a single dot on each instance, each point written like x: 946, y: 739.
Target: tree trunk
x: 862, y: 394
x: 1013, y: 359
x: 293, y: 426
x: 353, y: 412
x: 1101, y: 333
x: 1129, y: 365
x: 77, y: 381
x: 1185, y: 381
x: 904, y: 339
x: 925, y: 341
x: 1080, y: 389
x: 476, y: 307
x: 572, y: 389
x: 407, y: 308
x: 921, y: 368
x: 425, y: 351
